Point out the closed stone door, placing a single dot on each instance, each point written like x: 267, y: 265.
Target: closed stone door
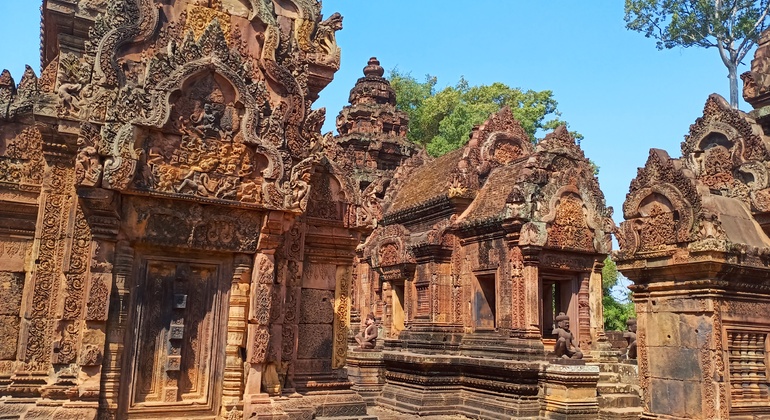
x: 176, y: 364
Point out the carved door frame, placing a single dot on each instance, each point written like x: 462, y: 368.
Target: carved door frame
x: 219, y: 313
x: 572, y: 281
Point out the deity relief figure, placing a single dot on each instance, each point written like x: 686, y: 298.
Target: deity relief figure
x: 198, y: 179
x: 206, y: 124
x: 630, y: 337
x: 565, y: 347
x: 88, y: 170
x: 300, y: 184
x: 367, y: 338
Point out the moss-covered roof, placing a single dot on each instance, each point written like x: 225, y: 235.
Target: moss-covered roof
x: 490, y: 200
x: 427, y: 183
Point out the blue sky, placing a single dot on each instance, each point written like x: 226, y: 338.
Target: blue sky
x: 612, y: 85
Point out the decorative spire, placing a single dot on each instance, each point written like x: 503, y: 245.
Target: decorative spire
x: 372, y: 128
x: 373, y: 68
x: 372, y: 88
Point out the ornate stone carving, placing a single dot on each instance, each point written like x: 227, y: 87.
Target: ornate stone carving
x: 569, y: 229
x: 174, y: 224
x: 22, y: 159
x: 199, y: 18
x: 341, y: 315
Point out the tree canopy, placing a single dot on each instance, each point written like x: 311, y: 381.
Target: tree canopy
x: 731, y: 26
x: 616, y: 310
x: 442, y: 119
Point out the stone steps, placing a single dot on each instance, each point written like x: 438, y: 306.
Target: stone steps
x: 628, y: 413
x: 608, y: 377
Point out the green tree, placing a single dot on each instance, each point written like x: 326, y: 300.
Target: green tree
x: 731, y: 26
x: 442, y: 120
x: 616, y: 311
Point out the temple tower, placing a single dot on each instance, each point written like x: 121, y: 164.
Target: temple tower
x: 372, y: 130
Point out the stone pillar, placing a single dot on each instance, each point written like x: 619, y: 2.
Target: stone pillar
x: 442, y: 292
x: 596, y: 310
x: 531, y: 301
x: 518, y: 292
x: 116, y: 327
x: 232, y: 383
x: 341, y: 315
x: 583, y: 311
x: 100, y: 208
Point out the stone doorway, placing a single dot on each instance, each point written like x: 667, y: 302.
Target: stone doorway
x: 484, y: 303
x: 175, y: 360
x: 558, y: 294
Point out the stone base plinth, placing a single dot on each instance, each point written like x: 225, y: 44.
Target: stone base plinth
x: 440, y: 384
x: 46, y: 409
x: 569, y: 391
x: 366, y: 369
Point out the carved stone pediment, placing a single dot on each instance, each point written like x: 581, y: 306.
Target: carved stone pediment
x: 728, y: 151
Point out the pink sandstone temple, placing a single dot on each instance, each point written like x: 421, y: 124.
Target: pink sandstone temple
x: 178, y: 240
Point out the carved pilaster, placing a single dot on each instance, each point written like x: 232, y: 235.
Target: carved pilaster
x: 341, y: 316
x: 261, y: 342
x: 40, y: 305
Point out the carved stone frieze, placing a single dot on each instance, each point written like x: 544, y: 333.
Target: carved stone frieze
x: 195, y: 226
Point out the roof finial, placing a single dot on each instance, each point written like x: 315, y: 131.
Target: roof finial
x: 373, y: 68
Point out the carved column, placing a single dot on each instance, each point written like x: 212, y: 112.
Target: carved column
x: 259, y: 318
x: 596, y: 309
x: 40, y: 305
x: 531, y: 301
x: 294, y: 245
x: 505, y: 282
x: 116, y: 327
x: 387, y: 309
x: 341, y: 315
x: 441, y: 292
x: 232, y: 384
x: 518, y: 292
x: 584, y: 315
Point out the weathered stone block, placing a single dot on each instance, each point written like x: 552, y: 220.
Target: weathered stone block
x: 668, y: 396
x: 665, y: 331
x: 675, y: 363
